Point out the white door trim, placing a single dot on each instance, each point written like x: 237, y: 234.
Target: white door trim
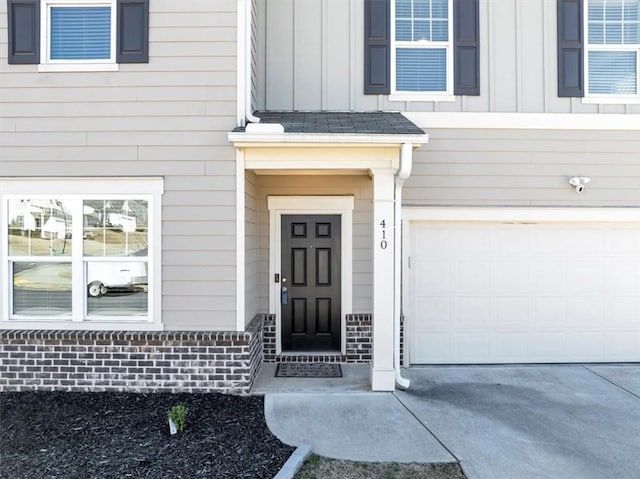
x: 311, y: 205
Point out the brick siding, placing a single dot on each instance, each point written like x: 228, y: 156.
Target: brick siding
x: 358, y: 343
x: 220, y: 361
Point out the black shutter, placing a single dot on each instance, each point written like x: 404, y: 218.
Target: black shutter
x: 377, y: 44
x: 24, y: 31
x: 466, y: 48
x: 132, y: 45
x: 570, y: 48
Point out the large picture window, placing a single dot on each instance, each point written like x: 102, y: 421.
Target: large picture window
x: 613, y: 48
x: 81, y: 256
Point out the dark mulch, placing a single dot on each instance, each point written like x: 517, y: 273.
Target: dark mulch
x: 121, y: 435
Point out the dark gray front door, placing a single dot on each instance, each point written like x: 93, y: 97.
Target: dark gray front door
x: 311, y: 276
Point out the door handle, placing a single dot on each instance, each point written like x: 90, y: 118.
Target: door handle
x: 284, y: 295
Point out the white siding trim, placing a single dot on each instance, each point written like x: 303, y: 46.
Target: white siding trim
x: 333, y: 205
x: 542, y: 121
x: 240, y: 242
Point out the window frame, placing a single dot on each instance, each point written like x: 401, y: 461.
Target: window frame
x: 48, y: 65
x: 612, y: 98
x: 78, y: 190
x: 445, y: 96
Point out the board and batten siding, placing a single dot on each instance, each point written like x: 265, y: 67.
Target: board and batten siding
x: 167, y: 118
x: 361, y: 189
x: 310, y: 57
x: 484, y: 167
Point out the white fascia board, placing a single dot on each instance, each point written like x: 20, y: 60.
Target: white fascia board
x: 522, y: 214
x: 529, y: 121
x: 243, y: 139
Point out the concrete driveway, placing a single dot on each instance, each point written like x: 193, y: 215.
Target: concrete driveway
x: 499, y: 422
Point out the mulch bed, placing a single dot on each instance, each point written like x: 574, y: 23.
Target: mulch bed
x: 121, y: 435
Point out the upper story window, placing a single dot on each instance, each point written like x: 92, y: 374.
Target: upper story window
x: 421, y: 49
x: 422, y: 46
x: 78, y: 35
x: 78, y: 32
x: 612, y: 47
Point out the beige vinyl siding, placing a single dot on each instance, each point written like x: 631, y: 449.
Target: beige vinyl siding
x: 167, y: 118
x: 358, y: 186
x: 525, y: 168
x: 311, y: 58
x: 251, y: 245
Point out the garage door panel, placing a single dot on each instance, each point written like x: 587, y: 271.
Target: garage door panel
x: 435, y: 347
x: 510, y: 276
x: 511, y: 313
x: 546, y: 292
x: 585, y: 276
x: 471, y: 276
x: 550, y: 241
x: 471, y: 312
x: 587, y: 240
x: 548, y: 276
x: 476, y: 245
x: 468, y: 345
x: 623, y: 277
x: 435, y: 313
x: 433, y: 275
x: 549, y: 313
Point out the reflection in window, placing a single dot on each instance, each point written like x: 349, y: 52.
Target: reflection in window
x: 42, y: 289
x: 117, y: 288
x: 39, y: 227
x: 115, y: 227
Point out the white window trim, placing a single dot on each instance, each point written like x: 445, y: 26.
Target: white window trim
x: 147, y: 188
x: 48, y: 65
x: 599, y: 98
x: 311, y: 205
x: 445, y: 96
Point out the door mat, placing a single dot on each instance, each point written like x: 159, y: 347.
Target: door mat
x: 308, y: 370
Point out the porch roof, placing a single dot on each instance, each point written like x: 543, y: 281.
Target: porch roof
x: 366, y: 123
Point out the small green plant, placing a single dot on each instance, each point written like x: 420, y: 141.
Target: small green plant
x: 178, y: 414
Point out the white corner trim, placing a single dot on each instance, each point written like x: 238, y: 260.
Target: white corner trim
x: 240, y: 243
x: 331, y: 205
x: 542, y: 121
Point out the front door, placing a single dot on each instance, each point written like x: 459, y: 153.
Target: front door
x: 310, y: 283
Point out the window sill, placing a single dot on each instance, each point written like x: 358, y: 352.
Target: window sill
x: 421, y: 97
x: 613, y: 100
x: 77, y: 67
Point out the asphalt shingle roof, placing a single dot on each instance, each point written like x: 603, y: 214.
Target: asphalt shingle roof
x: 371, y: 123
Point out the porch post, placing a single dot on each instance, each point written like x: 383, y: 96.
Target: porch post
x: 382, y: 367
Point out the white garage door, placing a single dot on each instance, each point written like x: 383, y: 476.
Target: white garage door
x: 524, y: 293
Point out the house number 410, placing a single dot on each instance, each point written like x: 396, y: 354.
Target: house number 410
x: 383, y: 242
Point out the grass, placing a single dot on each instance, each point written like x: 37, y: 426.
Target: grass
x: 317, y: 467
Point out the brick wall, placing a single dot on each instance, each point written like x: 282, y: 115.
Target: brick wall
x: 359, y: 336
x: 358, y: 343
x: 220, y: 361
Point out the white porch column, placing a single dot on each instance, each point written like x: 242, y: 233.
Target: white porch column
x: 382, y: 367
